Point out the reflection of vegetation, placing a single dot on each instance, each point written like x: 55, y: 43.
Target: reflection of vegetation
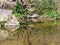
x: 47, y: 28
x: 23, y: 26
x: 2, y: 24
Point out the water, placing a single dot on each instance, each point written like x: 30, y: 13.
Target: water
x: 43, y: 33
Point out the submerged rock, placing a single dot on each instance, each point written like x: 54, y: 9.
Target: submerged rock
x: 3, y: 35
x: 12, y: 24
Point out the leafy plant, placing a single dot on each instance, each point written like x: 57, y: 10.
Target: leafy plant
x: 19, y: 10
x: 18, y: 15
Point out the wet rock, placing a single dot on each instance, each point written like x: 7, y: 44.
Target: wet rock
x: 5, y: 14
x: 3, y: 35
x: 12, y: 24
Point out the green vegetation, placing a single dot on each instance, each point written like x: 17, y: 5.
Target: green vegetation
x: 51, y: 14
x: 19, y: 10
x: 44, y: 6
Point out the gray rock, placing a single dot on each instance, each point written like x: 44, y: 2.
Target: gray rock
x: 10, y: 5
x: 5, y: 14
x: 7, y: 4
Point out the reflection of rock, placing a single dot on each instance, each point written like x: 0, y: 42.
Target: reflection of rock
x: 4, y: 14
x: 12, y: 24
x: 11, y: 21
x: 3, y: 35
x: 33, y: 17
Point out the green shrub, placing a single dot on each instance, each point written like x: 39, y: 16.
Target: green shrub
x: 19, y: 10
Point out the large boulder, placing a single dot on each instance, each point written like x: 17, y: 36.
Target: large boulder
x: 3, y: 35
